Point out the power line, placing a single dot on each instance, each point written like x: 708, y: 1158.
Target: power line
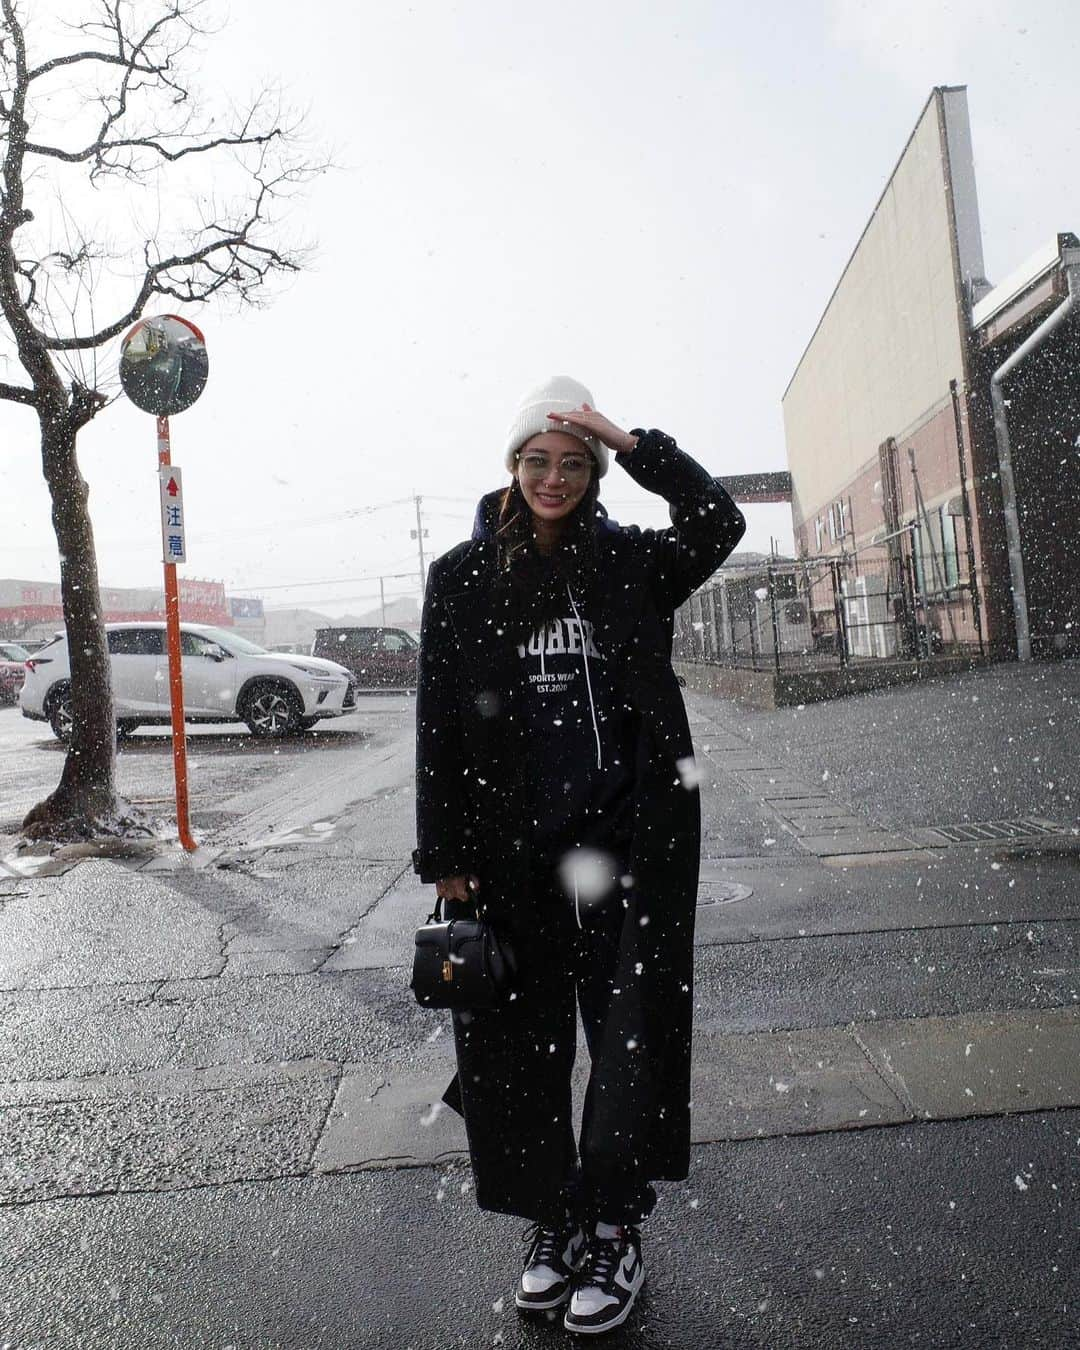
x: 268, y: 527
x: 329, y: 581
x: 412, y: 593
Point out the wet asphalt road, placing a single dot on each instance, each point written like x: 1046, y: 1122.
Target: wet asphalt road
x: 171, y: 1045
x: 221, y: 760
x: 915, y: 1236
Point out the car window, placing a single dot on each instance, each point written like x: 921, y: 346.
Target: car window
x: 395, y: 642
x: 136, y: 642
x: 195, y: 644
x: 337, y: 642
x: 232, y: 642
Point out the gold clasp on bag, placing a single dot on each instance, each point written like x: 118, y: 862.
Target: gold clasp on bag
x: 447, y: 971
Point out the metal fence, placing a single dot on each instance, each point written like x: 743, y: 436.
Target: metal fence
x: 890, y: 601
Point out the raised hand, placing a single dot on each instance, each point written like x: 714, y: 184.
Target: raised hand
x: 596, y: 424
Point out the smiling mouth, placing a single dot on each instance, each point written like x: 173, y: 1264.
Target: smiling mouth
x: 551, y: 499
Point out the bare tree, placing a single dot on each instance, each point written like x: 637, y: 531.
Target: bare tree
x: 113, y: 102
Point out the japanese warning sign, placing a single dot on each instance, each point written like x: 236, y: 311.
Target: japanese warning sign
x: 173, y: 546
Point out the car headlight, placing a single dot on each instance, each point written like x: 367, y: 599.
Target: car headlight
x: 322, y: 676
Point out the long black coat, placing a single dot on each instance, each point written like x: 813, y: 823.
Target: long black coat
x: 472, y: 761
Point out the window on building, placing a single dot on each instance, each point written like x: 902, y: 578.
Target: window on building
x: 950, y: 556
x: 819, y: 534
x: 936, y: 557
x: 837, y: 520
x: 918, y: 555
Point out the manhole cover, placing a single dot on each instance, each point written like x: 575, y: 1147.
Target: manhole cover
x: 723, y: 893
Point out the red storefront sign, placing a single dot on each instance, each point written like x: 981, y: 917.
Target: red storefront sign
x: 200, y: 602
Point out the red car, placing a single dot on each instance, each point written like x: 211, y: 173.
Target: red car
x: 379, y: 658
x: 12, y: 670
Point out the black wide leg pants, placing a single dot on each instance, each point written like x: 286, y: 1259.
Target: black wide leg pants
x: 514, y: 1067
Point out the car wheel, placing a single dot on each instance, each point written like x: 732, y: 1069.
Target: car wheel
x: 125, y: 726
x: 272, y: 710
x: 61, y: 715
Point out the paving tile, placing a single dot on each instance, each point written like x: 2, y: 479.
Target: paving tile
x: 961, y: 1066
x: 819, y: 825
x: 791, y: 1082
x: 759, y: 1084
x: 378, y: 1120
x: 774, y: 785
x: 735, y: 761
x: 820, y: 808
x: 293, y: 961
x: 164, y: 1129
x: 873, y: 858
x: 743, y: 1087
x: 384, y: 936
x: 853, y: 842
x: 101, y: 924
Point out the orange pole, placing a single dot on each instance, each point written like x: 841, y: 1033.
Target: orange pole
x: 176, y: 669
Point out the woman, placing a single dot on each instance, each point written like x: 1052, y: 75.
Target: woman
x: 556, y: 794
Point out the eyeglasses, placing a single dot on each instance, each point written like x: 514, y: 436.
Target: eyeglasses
x: 539, y: 466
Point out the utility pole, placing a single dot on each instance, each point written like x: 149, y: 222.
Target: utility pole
x: 382, y: 599
x: 418, y: 535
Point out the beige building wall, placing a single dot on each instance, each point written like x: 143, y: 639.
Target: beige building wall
x: 891, y: 337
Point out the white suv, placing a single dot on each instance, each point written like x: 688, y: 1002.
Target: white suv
x: 226, y: 679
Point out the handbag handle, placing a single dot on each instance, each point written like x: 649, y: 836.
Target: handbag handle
x: 438, y: 914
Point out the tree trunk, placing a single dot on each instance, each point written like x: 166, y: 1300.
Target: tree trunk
x: 84, y: 803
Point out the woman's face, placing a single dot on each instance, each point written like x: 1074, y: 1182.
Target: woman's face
x: 553, y: 470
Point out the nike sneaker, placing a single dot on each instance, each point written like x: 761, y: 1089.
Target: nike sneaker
x: 607, y: 1282
x: 554, y: 1255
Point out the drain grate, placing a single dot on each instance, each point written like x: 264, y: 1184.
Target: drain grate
x: 977, y: 832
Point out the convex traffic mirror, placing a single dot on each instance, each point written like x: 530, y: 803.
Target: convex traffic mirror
x: 163, y: 364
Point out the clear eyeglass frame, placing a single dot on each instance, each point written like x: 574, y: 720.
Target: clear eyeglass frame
x: 573, y: 467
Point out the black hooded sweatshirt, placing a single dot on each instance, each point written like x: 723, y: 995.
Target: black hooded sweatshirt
x: 581, y: 734
x: 581, y: 739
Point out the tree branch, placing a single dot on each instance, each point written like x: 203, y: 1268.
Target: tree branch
x: 236, y: 248
x: 13, y: 214
x: 100, y: 148
x: 15, y: 393
x: 227, y: 253
x: 110, y: 58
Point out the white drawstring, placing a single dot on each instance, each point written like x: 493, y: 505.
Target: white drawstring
x: 577, y: 902
x: 588, y: 681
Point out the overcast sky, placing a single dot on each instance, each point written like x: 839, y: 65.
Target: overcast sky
x: 655, y: 200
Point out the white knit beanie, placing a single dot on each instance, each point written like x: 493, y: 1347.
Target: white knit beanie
x: 558, y: 394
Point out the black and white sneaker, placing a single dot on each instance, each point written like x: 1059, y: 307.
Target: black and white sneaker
x: 608, y: 1281
x: 554, y: 1254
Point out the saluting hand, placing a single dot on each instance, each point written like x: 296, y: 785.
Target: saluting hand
x: 596, y: 424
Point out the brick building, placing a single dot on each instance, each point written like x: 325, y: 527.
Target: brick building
x: 899, y: 465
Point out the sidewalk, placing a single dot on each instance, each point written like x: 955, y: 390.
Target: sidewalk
x: 217, y: 1101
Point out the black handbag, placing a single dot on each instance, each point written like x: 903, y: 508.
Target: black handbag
x: 461, y: 963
